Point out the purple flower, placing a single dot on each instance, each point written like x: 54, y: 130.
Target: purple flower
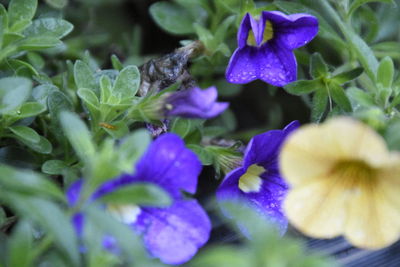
x: 174, y: 233
x: 194, y: 103
x: 265, y: 47
x: 258, y: 181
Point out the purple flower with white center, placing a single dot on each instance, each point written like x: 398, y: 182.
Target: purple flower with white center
x: 265, y: 47
x: 175, y: 233
x: 258, y: 181
x: 194, y: 103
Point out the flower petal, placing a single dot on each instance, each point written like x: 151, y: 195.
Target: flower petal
x: 294, y: 30
x: 263, y: 149
x: 74, y: 191
x: 175, y: 234
x: 169, y: 164
x: 196, y: 103
x: 229, y: 188
x: 248, y: 23
x: 242, y: 67
x: 276, y: 64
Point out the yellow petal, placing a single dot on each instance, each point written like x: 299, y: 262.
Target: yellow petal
x: 374, y: 217
x: 317, y: 208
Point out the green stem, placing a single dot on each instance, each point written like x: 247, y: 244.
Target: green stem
x: 43, y: 245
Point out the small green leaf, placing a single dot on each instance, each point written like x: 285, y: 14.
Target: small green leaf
x: 43, y: 146
x: 340, y: 98
x: 132, y: 148
x: 357, y: 3
x: 385, y: 72
x: 57, y: 102
x: 172, y: 18
x: 78, y: 135
x: 58, y: 4
x: 127, y: 82
x: 89, y: 97
x: 52, y: 27
x: 146, y: 194
x: 105, y: 89
x: 116, y: 63
x: 20, y: 245
x: 205, y: 156
x: 318, y: 67
x: 347, y: 76
x: 41, y: 93
x: 25, y: 133
x: 28, y: 182
x: 301, y: 87
x: 360, y: 97
x: 38, y: 42
x: 392, y: 136
x: 319, y: 103
x: 181, y: 127
x: 21, y: 10
x: 54, y: 167
x: 13, y: 92
x: 19, y: 26
x: 84, y: 77
x: 30, y: 109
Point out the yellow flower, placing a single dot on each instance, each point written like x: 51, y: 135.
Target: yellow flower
x: 343, y: 181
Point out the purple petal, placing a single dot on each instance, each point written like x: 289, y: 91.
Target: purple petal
x: 243, y: 66
x: 175, y: 234
x: 276, y: 64
x: 196, y: 103
x: 78, y: 221
x: 73, y: 192
x: 229, y: 188
x: 294, y: 30
x: 248, y: 23
x: 263, y: 149
x: 169, y: 164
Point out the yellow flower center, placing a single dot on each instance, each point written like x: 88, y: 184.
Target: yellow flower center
x: 267, y: 35
x: 354, y: 174
x: 251, y: 181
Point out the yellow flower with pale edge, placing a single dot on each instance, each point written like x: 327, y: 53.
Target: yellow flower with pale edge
x: 343, y: 181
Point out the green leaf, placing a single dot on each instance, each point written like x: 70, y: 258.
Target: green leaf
x: 347, y: 76
x: 84, y: 77
x: 52, y: 27
x: 360, y: 97
x: 318, y: 67
x: 25, y: 133
x: 172, y: 18
x: 30, y: 109
x: 205, y: 156
x: 89, y: 97
x: 392, y: 136
x: 78, y: 135
x: 17, y: 65
x: 19, y: 26
x: 41, y: 93
x: 49, y: 216
x: 119, y: 129
x: 146, y: 194
x: 132, y: 148
x: 28, y: 182
x: 13, y: 92
x: 340, y: 98
x: 43, y: 146
x: 182, y: 127
x: 385, y: 72
x: 21, y: 10
x: 319, y: 103
x: 20, y: 245
x: 54, y: 167
x: 127, y: 82
x: 116, y: 63
x: 357, y: 3
x: 57, y: 102
x: 38, y: 42
x: 58, y: 4
x: 105, y: 89
x: 301, y: 87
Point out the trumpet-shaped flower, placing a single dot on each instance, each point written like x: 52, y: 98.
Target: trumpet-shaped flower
x: 343, y: 181
x: 265, y: 47
x: 258, y: 181
x: 174, y: 233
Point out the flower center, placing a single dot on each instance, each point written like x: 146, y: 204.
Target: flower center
x: 251, y: 181
x: 354, y: 173
x: 124, y: 213
x: 268, y: 34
